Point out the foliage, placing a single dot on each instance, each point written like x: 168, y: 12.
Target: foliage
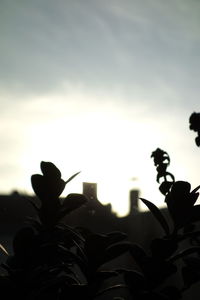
x: 162, y: 161
x: 52, y: 260
x: 195, y: 125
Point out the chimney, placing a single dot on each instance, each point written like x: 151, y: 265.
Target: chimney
x: 90, y: 190
x: 134, y: 195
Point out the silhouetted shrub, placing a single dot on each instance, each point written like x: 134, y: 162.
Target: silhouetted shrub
x: 52, y: 260
x: 195, y: 125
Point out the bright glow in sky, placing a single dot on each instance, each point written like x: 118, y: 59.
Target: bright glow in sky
x: 96, y: 87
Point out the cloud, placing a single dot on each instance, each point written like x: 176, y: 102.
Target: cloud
x: 99, y: 45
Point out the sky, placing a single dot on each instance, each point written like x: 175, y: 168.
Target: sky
x: 96, y: 86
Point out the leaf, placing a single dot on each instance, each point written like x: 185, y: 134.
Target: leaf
x: 188, y: 251
x: 72, y: 177
x: 71, y: 232
x: 172, y: 292
x: 138, y: 253
x: 116, y: 250
x: 95, y: 245
x: 34, y: 222
x: 157, y: 214
x: 70, y: 256
x: 37, y: 182
x: 72, y: 202
x: 24, y: 240
x: 3, y: 249
x: 192, y: 262
x: 196, y: 189
x: 116, y: 236
x: 111, y: 288
x: 34, y: 205
x: 46, y: 187
x: 106, y: 274
x: 190, y: 276
x: 163, y: 248
x: 50, y: 170
x: 134, y: 279
x: 195, y: 214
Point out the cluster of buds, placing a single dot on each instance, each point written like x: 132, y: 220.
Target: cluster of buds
x: 162, y: 161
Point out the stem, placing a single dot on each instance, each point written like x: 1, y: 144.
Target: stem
x: 117, y: 286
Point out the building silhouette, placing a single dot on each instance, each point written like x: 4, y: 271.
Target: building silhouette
x: 140, y: 227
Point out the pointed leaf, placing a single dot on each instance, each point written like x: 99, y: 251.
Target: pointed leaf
x: 3, y: 249
x: 196, y: 189
x: 72, y: 177
x: 188, y: 251
x: 157, y: 214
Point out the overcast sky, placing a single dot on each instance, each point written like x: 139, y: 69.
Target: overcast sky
x: 96, y: 86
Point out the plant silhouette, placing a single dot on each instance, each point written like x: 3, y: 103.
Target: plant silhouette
x: 48, y: 187
x: 52, y: 260
x: 162, y: 161
x: 195, y: 125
